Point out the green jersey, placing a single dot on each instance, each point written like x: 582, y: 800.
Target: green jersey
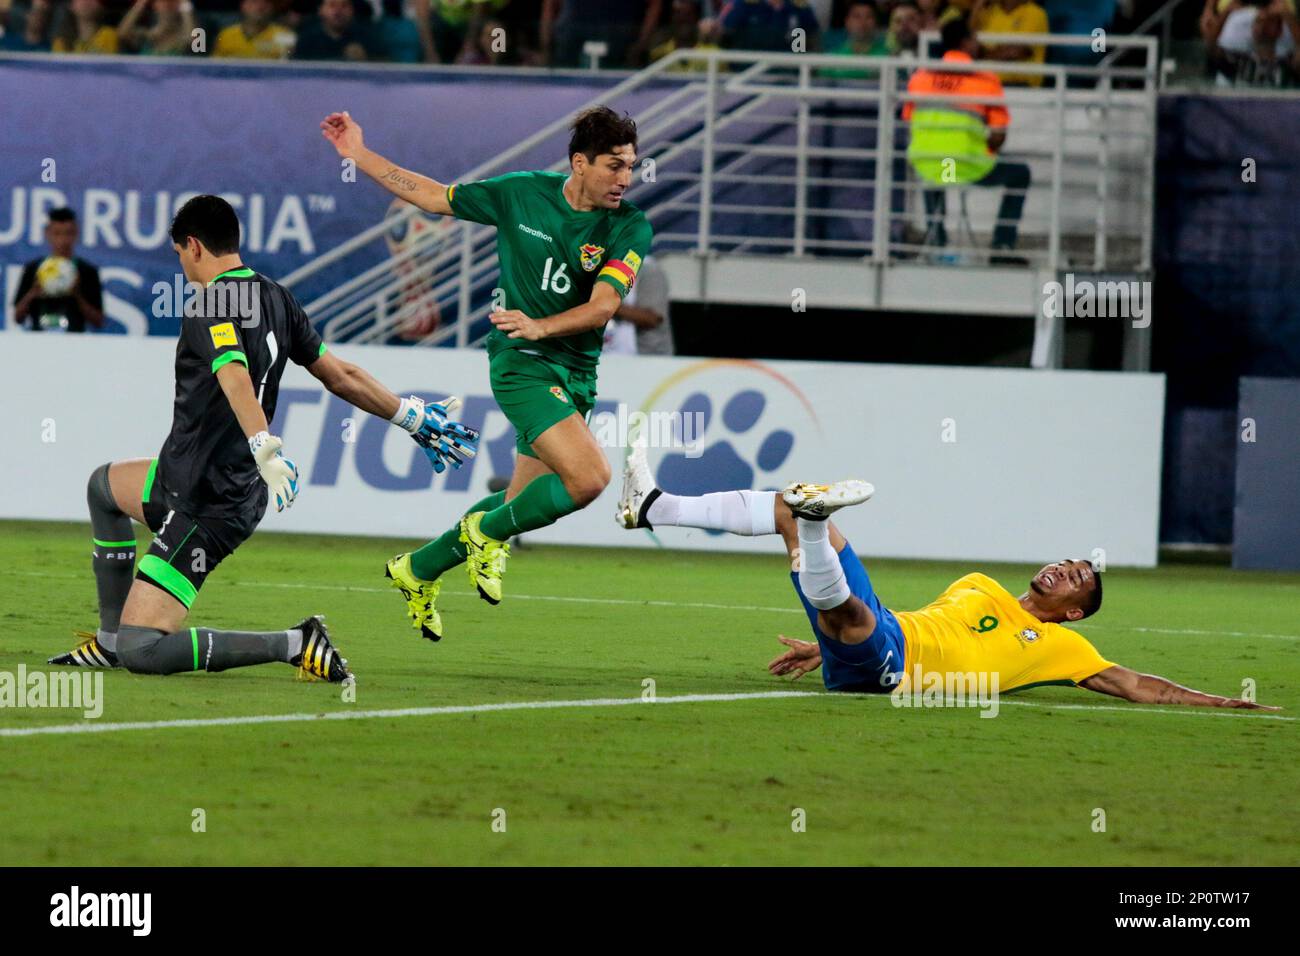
x: 553, y: 255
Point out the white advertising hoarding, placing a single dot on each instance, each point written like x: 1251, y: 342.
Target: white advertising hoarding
x: 970, y: 464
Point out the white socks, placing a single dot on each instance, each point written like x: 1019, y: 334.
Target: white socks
x: 751, y: 513
x: 740, y: 512
x: 821, y: 577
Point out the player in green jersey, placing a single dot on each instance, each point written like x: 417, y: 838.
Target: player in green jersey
x: 570, y: 247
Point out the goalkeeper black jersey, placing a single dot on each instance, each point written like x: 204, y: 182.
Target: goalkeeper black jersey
x: 205, y: 466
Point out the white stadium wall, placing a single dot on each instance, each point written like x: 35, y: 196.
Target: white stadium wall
x: 968, y: 464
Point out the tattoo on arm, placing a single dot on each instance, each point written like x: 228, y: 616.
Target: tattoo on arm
x: 1168, y: 693
x: 1161, y: 690
x: 398, y: 178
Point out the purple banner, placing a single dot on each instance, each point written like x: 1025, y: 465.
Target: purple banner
x: 124, y: 141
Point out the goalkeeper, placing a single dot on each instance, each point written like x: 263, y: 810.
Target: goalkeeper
x: 208, y: 488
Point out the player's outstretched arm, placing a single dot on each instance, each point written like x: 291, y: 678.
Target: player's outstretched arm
x: 345, y: 135
x: 355, y: 386
x: 279, y: 473
x: 444, y: 442
x: 1150, y: 689
x: 801, y: 658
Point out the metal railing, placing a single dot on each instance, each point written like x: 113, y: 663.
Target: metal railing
x: 1162, y: 19
x: 763, y: 153
x: 436, y: 270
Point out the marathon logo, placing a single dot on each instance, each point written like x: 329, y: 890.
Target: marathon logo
x: 535, y: 232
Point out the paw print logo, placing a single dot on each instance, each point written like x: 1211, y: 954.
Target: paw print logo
x: 721, y: 466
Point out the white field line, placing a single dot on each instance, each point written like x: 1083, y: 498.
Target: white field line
x: 703, y: 605
x: 634, y: 602
x: 723, y: 607
x: 1189, y: 630
x: 95, y: 727
x: 1172, y: 710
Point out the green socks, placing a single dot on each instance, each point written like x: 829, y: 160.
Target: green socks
x: 544, y: 501
x: 445, y: 552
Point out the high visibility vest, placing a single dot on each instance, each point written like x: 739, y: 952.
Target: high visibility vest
x: 949, y: 146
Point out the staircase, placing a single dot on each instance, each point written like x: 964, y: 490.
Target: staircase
x: 767, y: 176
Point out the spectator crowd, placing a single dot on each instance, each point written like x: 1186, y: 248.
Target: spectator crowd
x: 61, y: 291
x: 558, y: 33
x: 1252, y: 42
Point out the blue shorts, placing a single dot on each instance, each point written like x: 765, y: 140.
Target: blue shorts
x: 876, y: 665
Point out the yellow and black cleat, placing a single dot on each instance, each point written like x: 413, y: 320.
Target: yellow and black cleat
x: 319, y: 658
x: 88, y: 653
x: 421, y: 597
x: 485, y: 558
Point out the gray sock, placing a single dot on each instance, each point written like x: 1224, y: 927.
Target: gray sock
x: 222, y: 650
x: 113, y: 557
x: 144, y: 650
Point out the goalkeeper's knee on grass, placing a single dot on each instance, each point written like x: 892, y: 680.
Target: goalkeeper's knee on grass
x: 113, y: 557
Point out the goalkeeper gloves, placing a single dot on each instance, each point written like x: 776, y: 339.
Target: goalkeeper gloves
x: 444, y: 442
x: 279, y: 473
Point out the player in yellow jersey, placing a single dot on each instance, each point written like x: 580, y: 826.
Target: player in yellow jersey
x: 975, y: 627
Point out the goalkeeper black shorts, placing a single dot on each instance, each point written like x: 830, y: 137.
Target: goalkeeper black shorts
x: 186, y: 549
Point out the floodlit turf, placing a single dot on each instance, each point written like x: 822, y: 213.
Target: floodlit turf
x: 688, y: 783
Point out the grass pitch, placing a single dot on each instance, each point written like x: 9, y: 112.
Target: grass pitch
x: 716, y: 782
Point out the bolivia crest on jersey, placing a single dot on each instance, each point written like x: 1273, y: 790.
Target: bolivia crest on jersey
x: 590, y: 256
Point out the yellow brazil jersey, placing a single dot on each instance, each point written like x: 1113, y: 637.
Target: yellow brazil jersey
x: 103, y: 40
x: 669, y: 45
x: 978, y: 626
x: 272, y: 43
x: 1222, y: 5
x: 1026, y: 18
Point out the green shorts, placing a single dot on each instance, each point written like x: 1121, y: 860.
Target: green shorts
x: 535, y: 393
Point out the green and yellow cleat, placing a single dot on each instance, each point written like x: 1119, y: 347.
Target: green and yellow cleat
x: 421, y: 597
x: 88, y: 653
x: 485, y: 558
x: 319, y: 657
